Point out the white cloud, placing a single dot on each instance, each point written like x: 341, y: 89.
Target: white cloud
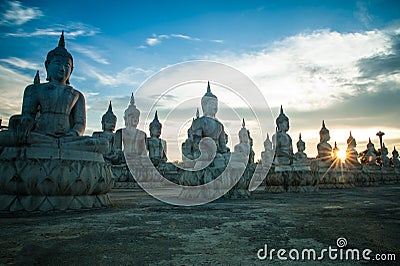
x: 17, y: 14
x: 217, y: 41
x: 310, y: 71
x: 71, y: 30
x: 91, y: 52
x: 130, y: 75
x: 157, y: 39
x: 20, y: 63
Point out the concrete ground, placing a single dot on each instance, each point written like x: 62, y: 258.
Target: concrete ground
x: 139, y: 230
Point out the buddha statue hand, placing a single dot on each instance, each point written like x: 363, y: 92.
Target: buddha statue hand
x: 23, y: 130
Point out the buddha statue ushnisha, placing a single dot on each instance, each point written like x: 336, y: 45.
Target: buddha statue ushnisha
x: 53, y: 113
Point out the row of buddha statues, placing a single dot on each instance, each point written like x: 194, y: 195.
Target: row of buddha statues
x: 54, y: 115
x: 279, y: 151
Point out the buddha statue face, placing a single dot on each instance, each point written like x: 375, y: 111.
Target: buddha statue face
x: 301, y: 146
x: 283, y: 125
x: 131, y: 121
x: 209, y: 106
x: 244, y: 136
x: 155, y: 132
x: 108, y: 124
x: 59, y: 69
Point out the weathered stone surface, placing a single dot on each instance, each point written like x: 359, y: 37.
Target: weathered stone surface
x: 39, y: 179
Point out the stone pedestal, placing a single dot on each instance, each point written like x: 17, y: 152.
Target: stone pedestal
x: 331, y: 175
x: 290, y: 178
x: 44, y: 179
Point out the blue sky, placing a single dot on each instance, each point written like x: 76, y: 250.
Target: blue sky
x: 332, y: 60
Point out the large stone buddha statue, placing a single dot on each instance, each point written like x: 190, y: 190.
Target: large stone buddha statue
x: 53, y: 113
x: 208, y: 126
x: 45, y: 161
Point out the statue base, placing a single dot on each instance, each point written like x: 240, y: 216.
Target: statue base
x: 44, y: 179
x: 290, y: 178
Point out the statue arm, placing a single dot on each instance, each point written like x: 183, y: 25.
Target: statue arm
x: 79, y: 116
x: 222, y: 141
x: 118, y: 140
x: 30, y: 107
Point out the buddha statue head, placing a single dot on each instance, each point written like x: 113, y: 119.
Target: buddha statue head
x: 244, y: 134
x: 59, y: 63
x: 395, y: 153
x: 351, y: 142
x: 155, y: 127
x: 301, y: 145
x: 209, y: 103
x: 324, y: 135
x: 131, y: 115
x: 109, y: 120
x: 282, y: 122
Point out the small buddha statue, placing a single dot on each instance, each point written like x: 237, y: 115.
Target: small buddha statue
x: 53, y: 113
x: 283, y: 142
x: 351, y: 152
x: 268, y: 154
x: 324, y: 148
x: 300, y: 155
x: 131, y: 140
x: 385, y: 161
x: 156, y: 146
x: 335, y: 152
x: 241, y: 153
x: 371, y: 155
x: 108, y: 123
x: 394, y: 161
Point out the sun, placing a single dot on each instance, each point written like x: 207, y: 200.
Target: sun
x: 342, y: 155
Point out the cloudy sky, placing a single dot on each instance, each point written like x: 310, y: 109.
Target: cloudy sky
x: 332, y: 60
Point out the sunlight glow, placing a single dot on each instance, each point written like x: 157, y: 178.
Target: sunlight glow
x: 342, y: 155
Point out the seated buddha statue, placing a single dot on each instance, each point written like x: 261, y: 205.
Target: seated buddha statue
x: 108, y: 122
x: 283, y: 142
x: 241, y: 151
x: 351, y: 152
x: 385, y: 161
x: 131, y: 140
x: 394, y: 161
x: 268, y: 154
x: 53, y: 113
x: 300, y: 155
x: 370, y: 155
x: 323, y: 147
x: 156, y: 146
x: 208, y: 126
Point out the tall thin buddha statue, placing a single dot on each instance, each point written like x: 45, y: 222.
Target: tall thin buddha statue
x: 323, y: 147
x: 156, y: 146
x: 351, y: 152
x: 108, y: 122
x: 283, y: 142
